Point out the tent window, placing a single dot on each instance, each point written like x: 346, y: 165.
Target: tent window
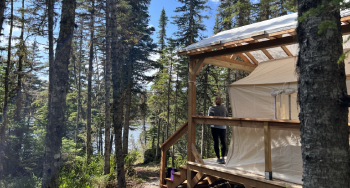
x: 286, y: 107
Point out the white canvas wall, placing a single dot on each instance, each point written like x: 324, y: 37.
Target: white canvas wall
x: 251, y: 98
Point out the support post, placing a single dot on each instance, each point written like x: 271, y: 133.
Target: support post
x: 267, y: 146
x: 162, y: 167
x: 191, y: 111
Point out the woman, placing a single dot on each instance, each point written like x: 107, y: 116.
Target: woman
x: 218, y: 131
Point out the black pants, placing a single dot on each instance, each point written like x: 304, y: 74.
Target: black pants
x: 219, y: 133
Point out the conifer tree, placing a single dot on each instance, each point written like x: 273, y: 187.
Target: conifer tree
x: 190, y: 20
x: 321, y: 86
x: 57, y: 99
x: 90, y: 72
x: 163, y: 21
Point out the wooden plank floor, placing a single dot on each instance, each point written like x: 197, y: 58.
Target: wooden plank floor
x: 238, y: 176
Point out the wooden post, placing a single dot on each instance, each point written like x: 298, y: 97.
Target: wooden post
x: 267, y: 146
x: 162, y: 167
x: 191, y: 111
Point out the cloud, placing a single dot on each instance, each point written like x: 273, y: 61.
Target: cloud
x: 215, y: 1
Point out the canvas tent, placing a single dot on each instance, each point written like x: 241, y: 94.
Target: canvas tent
x: 270, y: 91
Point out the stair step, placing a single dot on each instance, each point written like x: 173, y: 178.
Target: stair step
x: 183, y: 167
x: 177, y: 173
x: 164, y: 186
x: 168, y: 180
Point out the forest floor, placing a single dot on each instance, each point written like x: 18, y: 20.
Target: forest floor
x: 144, y: 176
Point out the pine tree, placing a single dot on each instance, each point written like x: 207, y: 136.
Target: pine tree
x: 163, y: 21
x: 323, y: 120
x: 6, y: 96
x: 190, y: 20
x: 106, y: 166
x: 90, y: 72
x: 57, y: 97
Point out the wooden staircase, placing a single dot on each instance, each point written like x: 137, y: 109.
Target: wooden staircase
x: 179, y: 178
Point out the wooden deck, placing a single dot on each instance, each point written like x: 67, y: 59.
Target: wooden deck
x: 249, y: 180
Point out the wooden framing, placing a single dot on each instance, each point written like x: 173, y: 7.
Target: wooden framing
x: 191, y: 111
x: 237, y: 177
x: 220, y: 54
x: 267, y: 148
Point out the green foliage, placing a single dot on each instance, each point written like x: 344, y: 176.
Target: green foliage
x: 179, y: 160
x: 129, y: 161
x: 75, y: 172
x: 326, y: 25
x: 21, y: 182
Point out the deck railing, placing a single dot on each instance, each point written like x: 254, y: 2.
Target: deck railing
x: 165, y: 147
x: 266, y: 124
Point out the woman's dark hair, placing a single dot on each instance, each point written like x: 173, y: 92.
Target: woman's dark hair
x: 218, y: 100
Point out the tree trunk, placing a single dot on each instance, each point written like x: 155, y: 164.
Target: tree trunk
x: 143, y: 114
x: 6, y: 96
x: 175, y: 118
x: 18, y: 131
x: 88, y: 113
x: 107, y: 156
x: 324, y: 122
x: 2, y: 11
x: 228, y: 81
x: 79, y: 84
x: 168, y: 105
x: 117, y: 97
x: 158, y: 131
x: 205, y: 110
x: 127, y: 111
x: 57, y: 101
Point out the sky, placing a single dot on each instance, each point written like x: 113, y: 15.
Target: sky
x: 169, y: 6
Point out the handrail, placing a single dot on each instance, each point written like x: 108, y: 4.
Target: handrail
x: 249, y: 122
x: 175, y: 137
x: 166, y: 145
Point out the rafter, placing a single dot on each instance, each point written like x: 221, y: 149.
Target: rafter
x: 285, y: 49
x: 267, y: 54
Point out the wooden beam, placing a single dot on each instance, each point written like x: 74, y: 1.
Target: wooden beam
x: 199, y: 65
x: 191, y: 111
x: 199, y: 159
x: 285, y: 49
x: 250, y: 47
x: 248, y: 122
x: 267, y: 54
x: 251, y: 57
x: 232, y: 44
x: 162, y: 167
x: 239, y: 65
x: 175, y: 137
x: 239, y: 177
x: 267, y: 148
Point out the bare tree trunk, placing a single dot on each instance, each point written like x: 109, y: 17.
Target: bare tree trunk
x: 107, y: 156
x: 6, y: 96
x: 175, y: 118
x: 205, y: 110
x: 228, y: 80
x: 2, y: 11
x: 324, y: 122
x: 143, y: 114
x: 158, y: 131
x: 79, y: 84
x: 127, y: 111
x: 57, y: 100
x: 117, y: 67
x: 88, y: 113
x: 18, y: 131
x: 168, y: 105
